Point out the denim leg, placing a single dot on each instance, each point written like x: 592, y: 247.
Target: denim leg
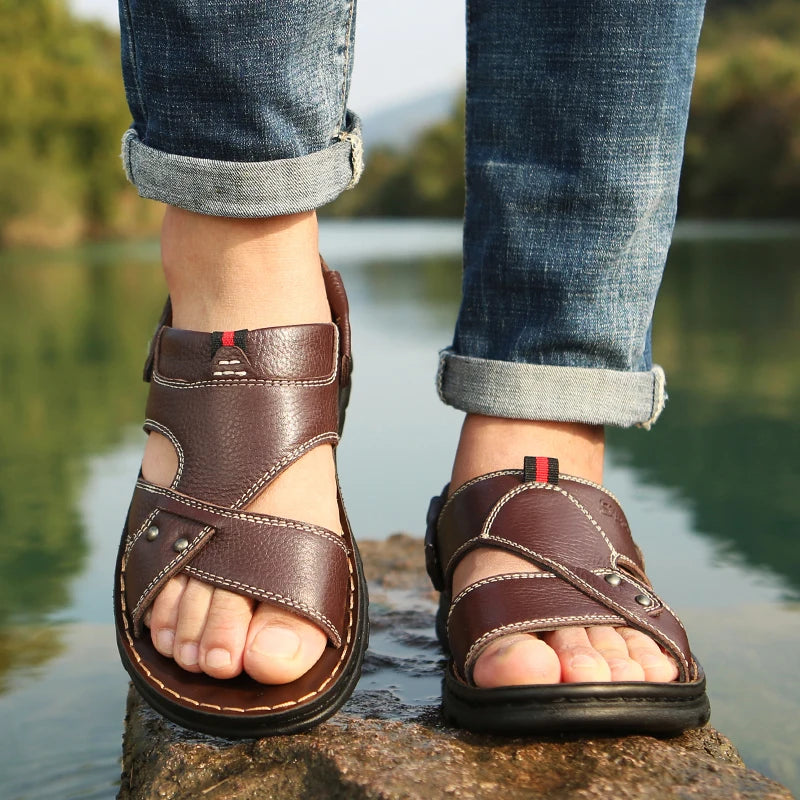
x: 239, y: 107
x: 576, y: 114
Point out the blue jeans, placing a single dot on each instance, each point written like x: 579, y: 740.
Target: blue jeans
x: 576, y: 113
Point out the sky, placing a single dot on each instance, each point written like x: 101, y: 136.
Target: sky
x: 404, y: 49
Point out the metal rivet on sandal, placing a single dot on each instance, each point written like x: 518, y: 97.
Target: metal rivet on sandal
x: 643, y: 600
x: 152, y: 533
x: 182, y: 544
x: 613, y: 579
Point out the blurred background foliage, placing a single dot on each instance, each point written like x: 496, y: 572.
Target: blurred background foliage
x: 63, y: 112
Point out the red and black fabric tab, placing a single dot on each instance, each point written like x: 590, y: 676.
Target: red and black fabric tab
x: 540, y: 469
x: 229, y: 339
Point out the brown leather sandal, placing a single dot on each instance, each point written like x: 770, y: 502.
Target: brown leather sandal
x: 593, y: 574
x: 240, y: 407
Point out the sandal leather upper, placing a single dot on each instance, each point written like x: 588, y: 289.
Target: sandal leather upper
x: 576, y: 534
x: 240, y: 410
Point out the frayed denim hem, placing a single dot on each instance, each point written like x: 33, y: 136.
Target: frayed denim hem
x: 245, y: 188
x: 550, y: 393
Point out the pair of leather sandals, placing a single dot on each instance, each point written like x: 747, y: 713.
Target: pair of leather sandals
x: 240, y: 407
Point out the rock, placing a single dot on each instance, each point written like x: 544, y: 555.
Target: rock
x: 389, y: 741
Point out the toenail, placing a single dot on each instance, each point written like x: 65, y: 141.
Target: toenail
x: 189, y: 654
x: 276, y: 642
x: 165, y: 638
x: 218, y: 658
x: 582, y: 662
x: 507, y: 643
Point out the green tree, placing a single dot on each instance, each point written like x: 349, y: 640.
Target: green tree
x: 743, y: 142
x: 61, y: 119
x: 426, y: 180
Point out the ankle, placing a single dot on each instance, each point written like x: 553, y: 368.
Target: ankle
x: 493, y: 443
x: 226, y: 274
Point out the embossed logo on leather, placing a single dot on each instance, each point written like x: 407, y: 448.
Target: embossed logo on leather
x: 612, y: 510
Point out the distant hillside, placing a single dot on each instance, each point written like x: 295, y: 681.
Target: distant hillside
x: 399, y: 126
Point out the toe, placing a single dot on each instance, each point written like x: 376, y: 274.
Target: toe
x: 225, y: 633
x: 192, y: 613
x: 281, y: 646
x: 580, y: 662
x: 163, y: 615
x: 516, y: 660
x: 613, y: 648
x: 656, y: 665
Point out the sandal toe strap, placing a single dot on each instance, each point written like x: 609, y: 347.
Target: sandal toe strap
x: 303, y: 568
x: 517, y: 603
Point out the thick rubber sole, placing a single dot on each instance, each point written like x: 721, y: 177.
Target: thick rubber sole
x: 295, y: 720
x: 661, y: 709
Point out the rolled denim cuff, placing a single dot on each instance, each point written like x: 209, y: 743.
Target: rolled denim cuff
x: 557, y: 394
x: 245, y: 188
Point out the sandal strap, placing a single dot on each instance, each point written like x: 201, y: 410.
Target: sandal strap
x: 570, y: 528
x: 340, y: 311
x: 504, y: 604
x: 239, y: 416
x: 284, y: 562
x: 471, y: 511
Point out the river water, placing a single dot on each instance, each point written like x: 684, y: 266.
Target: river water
x: 711, y: 492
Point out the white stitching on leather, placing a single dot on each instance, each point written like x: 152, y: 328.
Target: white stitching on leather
x: 146, y: 524
x: 606, y: 600
x: 550, y: 488
x: 228, y: 372
x: 143, y: 666
x: 311, y: 529
x: 165, y: 431
x: 177, y: 383
x: 328, y: 436
x: 485, y: 534
x: 587, y: 482
x: 513, y: 493
x: 496, y: 578
x: 168, y: 567
x: 278, y: 598
x: 257, y: 519
x: 472, y: 482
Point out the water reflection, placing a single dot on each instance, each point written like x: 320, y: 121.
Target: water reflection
x: 432, y: 283
x: 71, y: 340
x: 727, y: 330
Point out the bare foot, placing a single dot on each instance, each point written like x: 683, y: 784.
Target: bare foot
x: 570, y: 655
x: 228, y: 274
